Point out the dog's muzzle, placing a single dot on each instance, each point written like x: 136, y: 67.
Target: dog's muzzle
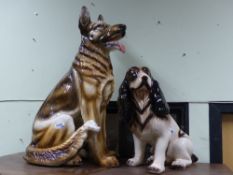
x: 123, y: 29
x: 144, y: 83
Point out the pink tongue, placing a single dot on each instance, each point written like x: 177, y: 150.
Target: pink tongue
x: 122, y: 47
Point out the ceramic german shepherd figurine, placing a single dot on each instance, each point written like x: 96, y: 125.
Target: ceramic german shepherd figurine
x: 78, y: 102
x: 146, y: 111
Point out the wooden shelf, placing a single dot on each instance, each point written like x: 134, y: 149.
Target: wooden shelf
x: 14, y: 164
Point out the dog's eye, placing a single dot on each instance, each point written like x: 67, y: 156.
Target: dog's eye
x: 132, y: 76
x: 146, y: 70
x: 98, y: 28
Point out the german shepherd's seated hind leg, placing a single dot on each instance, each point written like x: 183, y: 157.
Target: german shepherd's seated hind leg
x: 75, y: 111
x: 65, y: 153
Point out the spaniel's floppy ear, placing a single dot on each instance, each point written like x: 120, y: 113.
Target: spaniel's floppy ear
x: 124, y: 102
x: 159, y: 105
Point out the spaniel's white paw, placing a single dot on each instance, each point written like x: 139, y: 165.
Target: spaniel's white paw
x: 181, y: 163
x: 133, y: 162
x: 156, y: 168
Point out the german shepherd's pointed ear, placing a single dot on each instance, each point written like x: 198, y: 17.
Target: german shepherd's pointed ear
x: 100, y: 17
x: 84, y: 20
x: 159, y: 105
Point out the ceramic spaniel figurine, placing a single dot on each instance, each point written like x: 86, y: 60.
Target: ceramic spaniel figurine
x: 78, y: 103
x: 145, y: 110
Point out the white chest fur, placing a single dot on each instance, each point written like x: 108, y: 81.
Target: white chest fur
x: 143, y: 107
x: 156, y: 128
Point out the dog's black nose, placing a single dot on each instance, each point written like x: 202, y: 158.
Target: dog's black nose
x: 144, y: 78
x: 122, y: 26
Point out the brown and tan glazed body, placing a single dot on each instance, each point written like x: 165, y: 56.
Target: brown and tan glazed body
x: 76, y: 109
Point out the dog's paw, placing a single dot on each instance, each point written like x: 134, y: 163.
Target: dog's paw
x: 181, y: 163
x: 91, y: 125
x: 109, y: 161
x: 133, y: 162
x: 76, y: 161
x: 156, y: 168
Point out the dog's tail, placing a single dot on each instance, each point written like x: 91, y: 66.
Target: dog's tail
x: 58, y: 155
x: 194, y: 158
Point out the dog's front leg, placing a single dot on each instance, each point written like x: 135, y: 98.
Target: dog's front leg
x: 107, y: 158
x: 139, y: 151
x: 157, y: 165
x: 93, y: 107
x: 97, y: 142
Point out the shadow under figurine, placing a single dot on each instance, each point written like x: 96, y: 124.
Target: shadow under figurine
x: 147, y: 114
x: 76, y: 109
